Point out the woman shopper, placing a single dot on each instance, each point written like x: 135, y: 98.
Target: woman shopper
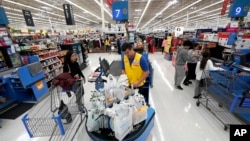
x: 191, y: 65
x: 202, y: 66
x: 71, y: 66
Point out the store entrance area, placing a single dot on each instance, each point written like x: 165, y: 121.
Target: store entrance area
x: 177, y: 117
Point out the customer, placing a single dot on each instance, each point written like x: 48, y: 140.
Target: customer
x: 181, y: 59
x: 136, y: 68
x: 71, y: 66
x: 164, y: 43
x: 202, y: 66
x: 107, y: 44
x: 191, y: 65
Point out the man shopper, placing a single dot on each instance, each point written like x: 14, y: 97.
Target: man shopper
x: 181, y: 59
x: 136, y: 67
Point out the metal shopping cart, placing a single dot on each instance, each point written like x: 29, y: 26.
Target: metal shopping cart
x: 57, y: 116
x: 221, y: 93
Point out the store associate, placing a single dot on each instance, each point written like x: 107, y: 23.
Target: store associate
x: 135, y: 66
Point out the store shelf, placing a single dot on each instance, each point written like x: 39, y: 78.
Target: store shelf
x: 53, y: 69
x: 49, y: 58
x: 51, y: 63
x: 61, y: 56
x: 38, y: 50
x: 47, y: 53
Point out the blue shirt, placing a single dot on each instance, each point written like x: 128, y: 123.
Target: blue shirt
x: 143, y: 63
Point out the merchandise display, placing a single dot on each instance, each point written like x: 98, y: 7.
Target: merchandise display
x: 84, y: 70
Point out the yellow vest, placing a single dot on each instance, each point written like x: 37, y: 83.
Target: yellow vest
x: 107, y: 43
x: 133, y: 71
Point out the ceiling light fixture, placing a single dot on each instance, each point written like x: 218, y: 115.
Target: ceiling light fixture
x: 174, y: 13
x: 50, y: 5
x: 40, y: 9
x: 144, y: 11
x: 104, y: 8
x: 62, y: 10
x: 32, y: 8
x: 199, y: 10
x: 137, y: 10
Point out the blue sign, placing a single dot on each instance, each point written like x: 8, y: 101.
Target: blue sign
x: 3, y: 16
x: 239, y: 8
x: 120, y: 10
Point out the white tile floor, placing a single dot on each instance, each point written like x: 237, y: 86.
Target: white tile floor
x: 177, y: 117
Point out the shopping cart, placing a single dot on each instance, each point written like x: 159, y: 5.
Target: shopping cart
x: 221, y: 93
x: 57, y: 116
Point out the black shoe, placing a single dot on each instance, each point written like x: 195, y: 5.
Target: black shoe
x: 185, y: 83
x: 189, y: 82
x: 69, y: 94
x: 198, y: 96
x: 179, y: 87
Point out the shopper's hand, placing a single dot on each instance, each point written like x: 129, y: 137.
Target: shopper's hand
x: 136, y: 84
x: 76, y: 76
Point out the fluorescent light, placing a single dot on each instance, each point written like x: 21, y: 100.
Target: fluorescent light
x: 43, y: 10
x: 50, y: 5
x: 168, y: 5
x: 32, y: 8
x: 104, y: 8
x: 199, y: 10
x: 62, y: 10
x: 175, y: 13
x: 144, y: 11
x: 207, y: 6
x: 137, y: 10
x: 14, y: 14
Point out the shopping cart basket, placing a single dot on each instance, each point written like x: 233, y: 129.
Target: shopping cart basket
x: 220, y: 95
x: 52, y: 118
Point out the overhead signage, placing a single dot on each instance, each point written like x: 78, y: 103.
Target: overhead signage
x: 224, y: 7
x: 3, y: 16
x: 69, y: 16
x: 28, y: 18
x: 179, y: 30
x: 239, y: 8
x: 120, y: 10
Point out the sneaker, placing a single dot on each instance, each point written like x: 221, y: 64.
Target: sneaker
x: 179, y: 87
x: 198, y: 96
x: 185, y: 83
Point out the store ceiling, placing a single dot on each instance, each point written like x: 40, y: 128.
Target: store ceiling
x: 143, y: 13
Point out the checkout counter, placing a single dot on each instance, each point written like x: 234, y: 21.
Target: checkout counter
x: 237, y: 84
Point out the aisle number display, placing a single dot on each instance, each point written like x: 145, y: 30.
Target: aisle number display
x: 120, y: 10
x: 239, y: 8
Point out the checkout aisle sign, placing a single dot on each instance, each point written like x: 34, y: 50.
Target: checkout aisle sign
x: 239, y: 8
x: 3, y: 16
x: 120, y: 10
